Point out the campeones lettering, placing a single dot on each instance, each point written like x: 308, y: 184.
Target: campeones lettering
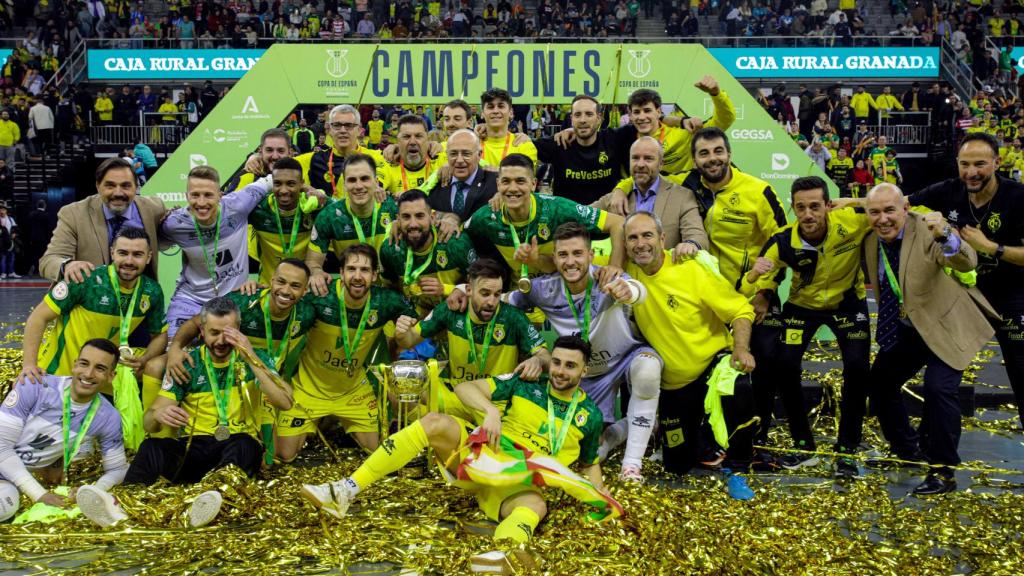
x: 445, y: 73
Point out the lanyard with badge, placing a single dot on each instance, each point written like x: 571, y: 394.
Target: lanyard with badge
x: 585, y: 326
x: 343, y: 342
x: 211, y: 268
x: 70, y: 451
x: 893, y: 281
x: 220, y: 395
x: 481, y: 359
x: 275, y: 356
x: 124, y: 316
x: 557, y: 438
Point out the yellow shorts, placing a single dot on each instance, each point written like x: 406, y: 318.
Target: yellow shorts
x: 356, y: 408
x: 451, y: 405
x: 489, y: 498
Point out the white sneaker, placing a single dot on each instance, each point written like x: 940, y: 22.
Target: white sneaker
x: 2, y: 276
x: 99, y: 506
x: 493, y: 562
x: 13, y: 275
x: 332, y: 498
x: 205, y: 508
x: 631, y: 474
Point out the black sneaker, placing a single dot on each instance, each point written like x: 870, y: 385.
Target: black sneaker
x: 798, y: 461
x: 764, y: 462
x: 846, y: 468
x: 937, y: 482
x: 712, y: 459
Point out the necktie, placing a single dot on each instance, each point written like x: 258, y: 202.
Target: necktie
x: 116, y: 222
x: 459, y: 203
x: 888, y: 304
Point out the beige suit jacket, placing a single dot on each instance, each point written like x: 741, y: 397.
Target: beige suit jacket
x: 677, y: 209
x: 949, y: 317
x: 81, y: 234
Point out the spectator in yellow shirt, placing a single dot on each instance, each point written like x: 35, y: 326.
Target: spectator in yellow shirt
x: 104, y: 108
x: 887, y: 102
x: 862, y: 103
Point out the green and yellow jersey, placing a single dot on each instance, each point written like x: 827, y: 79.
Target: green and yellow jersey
x: 254, y: 326
x: 687, y: 325
x: 495, y: 149
x: 92, y: 309
x: 335, y: 228
x: 246, y: 407
x: 822, y: 274
x: 272, y: 229
x: 322, y: 372
x: 446, y: 261
x: 547, y: 213
x: 739, y: 219
x: 508, y: 335
x: 525, y: 420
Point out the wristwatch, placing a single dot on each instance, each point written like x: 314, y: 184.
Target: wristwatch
x: 1000, y: 249
x: 60, y: 272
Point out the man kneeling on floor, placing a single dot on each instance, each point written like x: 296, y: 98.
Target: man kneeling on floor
x: 216, y: 414
x: 547, y: 426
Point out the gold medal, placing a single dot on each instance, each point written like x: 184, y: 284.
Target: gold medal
x: 222, y: 433
x: 903, y: 312
x: 126, y: 352
x: 415, y: 290
x: 525, y: 285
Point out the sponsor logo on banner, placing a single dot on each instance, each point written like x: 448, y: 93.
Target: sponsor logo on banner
x: 751, y: 134
x: 337, y: 64
x: 196, y: 160
x: 780, y: 161
x: 250, y: 106
x: 919, y: 62
x: 164, y: 64
x: 639, y: 65
x: 250, y: 111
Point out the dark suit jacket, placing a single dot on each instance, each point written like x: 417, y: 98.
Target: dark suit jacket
x: 677, y: 209
x: 81, y: 234
x: 949, y: 316
x: 484, y: 187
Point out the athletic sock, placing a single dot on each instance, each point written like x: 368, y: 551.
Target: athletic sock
x: 640, y: 416
x: 392, y: 454
x: 150, y: 390
x: 518, y: 526
x: 611, y: 438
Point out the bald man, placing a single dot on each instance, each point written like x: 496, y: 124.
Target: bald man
x: 675, y: 206
x: 926, y: 319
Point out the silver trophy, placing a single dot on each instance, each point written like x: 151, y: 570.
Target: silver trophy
x: 408, y: 384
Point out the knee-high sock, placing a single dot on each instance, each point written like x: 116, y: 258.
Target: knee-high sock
x: 392, y: 454
x: 518, y: 526
x: 645, y: 379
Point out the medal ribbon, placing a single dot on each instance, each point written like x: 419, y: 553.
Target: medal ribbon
x: 405, y: 182
x: 413, y: 275
x: 69, y: 450
x: 481, y: 360
x: 351, y: 351
x: 212, y: 270
x: 220, y: 396
x: 286, y: 249
x: 585, y: 327
x: 126, y: 317
x: 524, y: 271
x: 557, y: 438
x: 359, y: 225
x: 275, y: 357
x: 508, y: 141
x: 893, y: 281
x: 330, y: 175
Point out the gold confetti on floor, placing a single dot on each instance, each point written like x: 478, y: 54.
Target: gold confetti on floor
x: 804, y: 524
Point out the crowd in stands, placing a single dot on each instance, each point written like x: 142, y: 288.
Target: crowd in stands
x: 251, y: 24
x: 836, y: 129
